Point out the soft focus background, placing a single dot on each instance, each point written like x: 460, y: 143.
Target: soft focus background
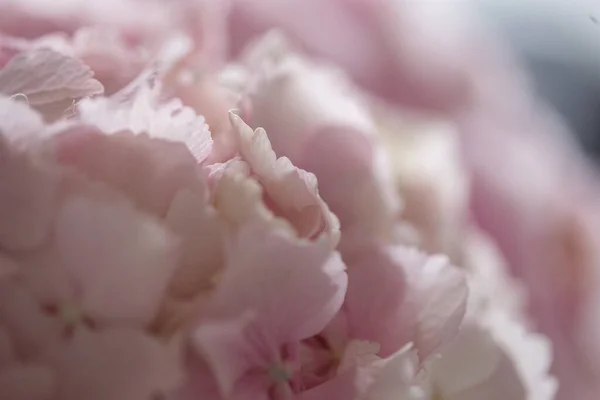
x: 559, y: 40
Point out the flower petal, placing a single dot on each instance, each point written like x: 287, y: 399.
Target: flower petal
x: 393, y: 378
x: 374, y: 304
x: 229, y: 350
x: 31, y: 332
x: 150, y: 171
x: 292, y: 191
x: 141, y: 112
x: 115, y: 364
x: 438, y: 292
x: 28, y: 187
x: 202, y: 235
x: 27, y: 382
x: 121, y: 258
x: 295, y: 288
x: 48, y: 78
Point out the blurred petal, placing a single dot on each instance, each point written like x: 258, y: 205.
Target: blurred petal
x: 229, y: 351
x: 28, y: 188
x: 115, y: 364
x: 121, y: 258
x: 25, y: 382
x: 150, y: 171
x: 393, y: 377
x: 31, y: 332
x: 375, y: 301
x: 438, y: 294
x: 202, y: 233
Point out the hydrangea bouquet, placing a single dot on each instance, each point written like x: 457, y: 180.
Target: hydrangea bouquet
x: 277, y: 200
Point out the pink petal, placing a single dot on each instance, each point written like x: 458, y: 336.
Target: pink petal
x: 479, y: 357
x: 27, y: 201
x: 44, y: 276
x: 28, y: 188
x: 295, y: 288
x: 294, y: 192
x: 48, y: 78
x: 383, y: 45
x: 398, y: 295
x: 485, y: 370
x: 438, y: 294
x: 7, y: 267
x: 393, y: 378
x: 343, y: 386
x: 138, y: 109
x: 374, y: 305
x: 24, y: 125
x: 32, y: 333
x: 121, y: 258
x: 199, y: 381
x: 352, y: 183
x: 231, y: 351
x: 6, y: 349
x: 502, y: 385
x: 115, y: 364
x: 149, y: 171
x: 114, y: 61
x: 27, y: 382
x: 193, y: 220
x: 239, y: 198
x: 311, y: 113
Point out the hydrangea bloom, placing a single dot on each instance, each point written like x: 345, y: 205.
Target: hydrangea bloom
x: 276, y: 222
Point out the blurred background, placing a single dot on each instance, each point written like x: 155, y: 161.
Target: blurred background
x: 559, y: 41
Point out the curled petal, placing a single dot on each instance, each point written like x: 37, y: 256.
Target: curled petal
x: 292, y: 191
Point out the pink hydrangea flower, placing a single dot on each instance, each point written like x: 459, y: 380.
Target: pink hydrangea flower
x: 191, y: 213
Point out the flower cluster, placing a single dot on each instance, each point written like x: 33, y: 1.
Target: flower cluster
x: 190, y: 214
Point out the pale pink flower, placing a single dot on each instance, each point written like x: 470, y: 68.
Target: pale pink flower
x: 144, y: 256
x: 494, y: 356
x: 397, y: 296
x: 291, y: 193
x: 310, y: 113
x: 275, y: 292
x: 494, y: 360
x: 84, y: 276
